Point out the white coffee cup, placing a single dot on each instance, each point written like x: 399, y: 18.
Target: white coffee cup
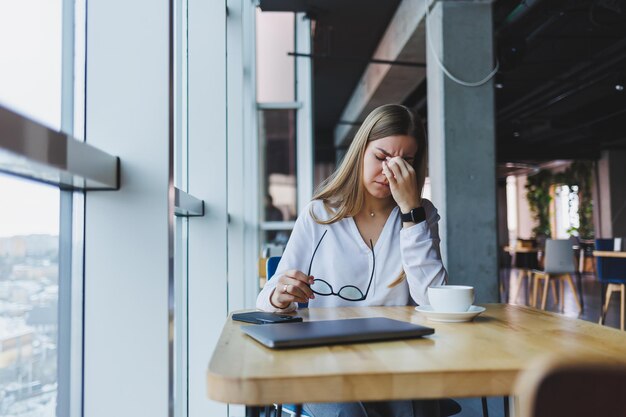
x: 451, y: 298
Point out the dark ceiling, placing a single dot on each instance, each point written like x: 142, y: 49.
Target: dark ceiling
x: 560, y: 91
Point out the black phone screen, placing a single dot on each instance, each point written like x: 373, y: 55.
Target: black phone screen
x: 260, y: 317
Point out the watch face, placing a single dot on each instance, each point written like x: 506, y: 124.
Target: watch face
x: 416, y: 215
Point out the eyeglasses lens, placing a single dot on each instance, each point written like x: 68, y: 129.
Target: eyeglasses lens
x: 321, y: 287
x: 351, y: 293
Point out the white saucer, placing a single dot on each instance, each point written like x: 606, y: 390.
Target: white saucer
x: 450, y: 317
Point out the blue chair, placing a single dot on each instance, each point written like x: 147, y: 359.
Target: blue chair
x: 612, y: 275
x: 271, y: 265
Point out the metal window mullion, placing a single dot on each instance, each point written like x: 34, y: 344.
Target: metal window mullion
x: 304, y: 115
x: 251, y: 156
x: 69, y: 391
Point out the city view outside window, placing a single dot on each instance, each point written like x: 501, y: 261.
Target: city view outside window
x: 29, y: 293
x: 31, y: 44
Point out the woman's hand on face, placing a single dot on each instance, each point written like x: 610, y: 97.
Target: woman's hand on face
x: 403, y: 183
x: 292, y: 286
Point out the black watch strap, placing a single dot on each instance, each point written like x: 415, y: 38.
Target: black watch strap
x: 416, y: 215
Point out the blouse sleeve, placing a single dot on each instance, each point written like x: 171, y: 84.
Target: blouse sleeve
x: 296, y: 255
x: 421, y: 256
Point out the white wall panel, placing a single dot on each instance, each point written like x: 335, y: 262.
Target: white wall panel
x: 127, y: 231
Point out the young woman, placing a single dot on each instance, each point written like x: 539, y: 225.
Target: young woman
x: 366, y: 239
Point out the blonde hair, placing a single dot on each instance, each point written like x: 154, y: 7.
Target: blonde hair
x: 343, y: 193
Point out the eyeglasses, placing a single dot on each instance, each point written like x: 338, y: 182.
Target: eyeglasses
x: 347, y: 292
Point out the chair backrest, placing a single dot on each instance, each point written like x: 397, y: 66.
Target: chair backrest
x: 568, y: 389
x: 604, y: 244
x: 609, y: 269
x: 271, y: 265
x: 559, y: 257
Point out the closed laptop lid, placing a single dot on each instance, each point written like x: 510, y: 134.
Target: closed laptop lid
x: 315, y: 333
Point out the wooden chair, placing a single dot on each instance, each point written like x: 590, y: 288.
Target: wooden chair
x: 559, y: 265
x: 524, y: 258
x: 567, y: 388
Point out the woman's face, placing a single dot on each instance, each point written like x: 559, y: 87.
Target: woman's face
x: 376, y: 152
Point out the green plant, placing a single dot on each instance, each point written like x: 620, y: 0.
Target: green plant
x: 538, y: 196
x: 579, y: 174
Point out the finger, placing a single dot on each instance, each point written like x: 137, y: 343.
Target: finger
x: 387, y: 171
x: 399, y: 163
x: 406, y: 167
x: 289, y: 290
x: 297, y: 288
x: 288, y: 298
x: 395, y: 169
x: 299, y: 275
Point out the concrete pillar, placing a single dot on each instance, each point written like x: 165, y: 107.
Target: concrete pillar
x: 610, y: 195
x: 462, y: 142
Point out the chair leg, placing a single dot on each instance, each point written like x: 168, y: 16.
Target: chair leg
x: 570, y: 281
x: 544, y: 298
x: 562, y: 294
x: 513, y: 298
x: 605, y: 308
x: 535, y: 285
x: 581, y: 260
x: 579, y: 286
x: 555, y: 295
x: 506, y: 406
x: 622, y: 291
x: 483, y: 401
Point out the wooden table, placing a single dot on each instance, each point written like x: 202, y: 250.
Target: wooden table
x: 520, y: 249
x: 609, y: 254
x: 480, y: 358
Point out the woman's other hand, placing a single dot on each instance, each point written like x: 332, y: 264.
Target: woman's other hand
x: 402, y: 183
x: 292, y: 286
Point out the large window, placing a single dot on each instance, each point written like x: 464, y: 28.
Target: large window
x: 40, y: 226
x: 279, y: 104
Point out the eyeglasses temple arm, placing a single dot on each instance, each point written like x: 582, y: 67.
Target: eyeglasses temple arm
x: 373, y: 269
x: 313, y: 256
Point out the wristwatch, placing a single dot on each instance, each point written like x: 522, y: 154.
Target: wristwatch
x: 416, y: 215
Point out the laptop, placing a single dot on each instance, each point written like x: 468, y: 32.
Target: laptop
x: 331, y: 332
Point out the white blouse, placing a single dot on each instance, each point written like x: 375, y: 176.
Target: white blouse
x: 343, y: 258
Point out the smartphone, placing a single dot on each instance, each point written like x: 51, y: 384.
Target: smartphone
x: 260, y: 317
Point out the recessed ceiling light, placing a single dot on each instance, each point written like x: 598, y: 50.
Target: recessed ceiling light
x: 619, y: 87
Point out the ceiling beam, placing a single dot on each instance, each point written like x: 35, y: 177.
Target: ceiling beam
x: 404, y: 40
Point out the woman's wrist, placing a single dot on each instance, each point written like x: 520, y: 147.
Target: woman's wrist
x: 275, y: 303
x: 406, y: 207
